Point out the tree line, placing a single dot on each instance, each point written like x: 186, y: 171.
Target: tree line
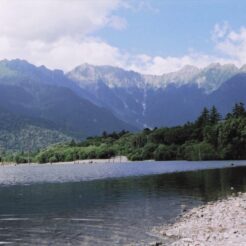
x: 209, y: 137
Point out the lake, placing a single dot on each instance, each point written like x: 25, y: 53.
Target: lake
x: 106, y: 204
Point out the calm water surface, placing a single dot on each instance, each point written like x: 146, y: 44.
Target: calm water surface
x: 105, y: 204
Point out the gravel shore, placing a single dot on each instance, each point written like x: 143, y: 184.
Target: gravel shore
x: 215, y: 224
x: 116, y: 159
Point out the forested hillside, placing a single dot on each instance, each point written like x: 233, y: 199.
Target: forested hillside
x: 39, y: 107
x: 22, y: 133
x: 208, y: 138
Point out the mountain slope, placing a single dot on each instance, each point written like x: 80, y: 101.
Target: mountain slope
x: 30, y: 92
x: 23, y: 133
x: 93, y: 99
x: 230, y: 92
x: 149, y: 101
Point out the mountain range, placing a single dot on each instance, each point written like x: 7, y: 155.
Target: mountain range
x: 39, y: 106
x: 36, y: 97
x: 166, y: 100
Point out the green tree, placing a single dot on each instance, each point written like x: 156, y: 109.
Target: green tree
x: 165, y: 153
x: 204, y: 118
x: 148, y: 151
x: 200, y: 151
x: 214, y: 116
x: 238, y: 110
x: 72, y: 143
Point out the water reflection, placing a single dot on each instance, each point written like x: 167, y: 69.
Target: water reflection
x: 107, y: 212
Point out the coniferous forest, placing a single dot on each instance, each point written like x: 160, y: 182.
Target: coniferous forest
x: 208, y: 138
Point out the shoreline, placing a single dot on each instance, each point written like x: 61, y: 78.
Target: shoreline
x: 220, y: 223
x: 117, y: 159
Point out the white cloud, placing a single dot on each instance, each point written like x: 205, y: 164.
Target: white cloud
x: 117, y: 22
x: 233, y: 45
x: 54, y: 19
x: 158, y: 65
x: 141, y: 5
x: 67, y: 52
x: 59, y: 34
x: 220, y: 30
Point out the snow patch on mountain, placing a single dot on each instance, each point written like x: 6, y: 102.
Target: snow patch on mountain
x: 209, y: 78
x: 112, y: 76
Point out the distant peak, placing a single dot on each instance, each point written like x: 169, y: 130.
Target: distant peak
x: 20, y: 63
x: 91, y: 66
x: 103, y: 69
x: 189, y: 67
x: 219, y: 65
x: 243, y: 68
x: 230, y: 65
x: 17, y: 61
x: 214, y: 64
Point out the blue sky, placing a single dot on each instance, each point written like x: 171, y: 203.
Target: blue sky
x: 148, y: 36
x: 173, y: 27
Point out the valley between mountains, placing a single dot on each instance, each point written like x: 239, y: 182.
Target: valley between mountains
x: 39, y: 106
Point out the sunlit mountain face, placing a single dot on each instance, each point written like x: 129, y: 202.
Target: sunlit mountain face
x: 92, y: 99
x: 166, y: 100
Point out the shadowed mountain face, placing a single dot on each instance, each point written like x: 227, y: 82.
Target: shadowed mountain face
x: 36, y: 94
x: 93, y: 99
x: 167, y: 100
x: 231, y: 91
x: 22, y: 133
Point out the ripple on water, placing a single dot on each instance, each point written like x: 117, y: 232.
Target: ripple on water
x: 28, y: 174
x: 104, y: 212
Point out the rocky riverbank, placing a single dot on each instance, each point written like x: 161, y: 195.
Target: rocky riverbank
x: 219, y: 223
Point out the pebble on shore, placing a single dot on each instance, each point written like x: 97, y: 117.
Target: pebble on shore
x: 219, y: 223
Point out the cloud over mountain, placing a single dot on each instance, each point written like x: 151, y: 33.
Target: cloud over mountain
x: 51, y: 20
x: 63, y: 34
